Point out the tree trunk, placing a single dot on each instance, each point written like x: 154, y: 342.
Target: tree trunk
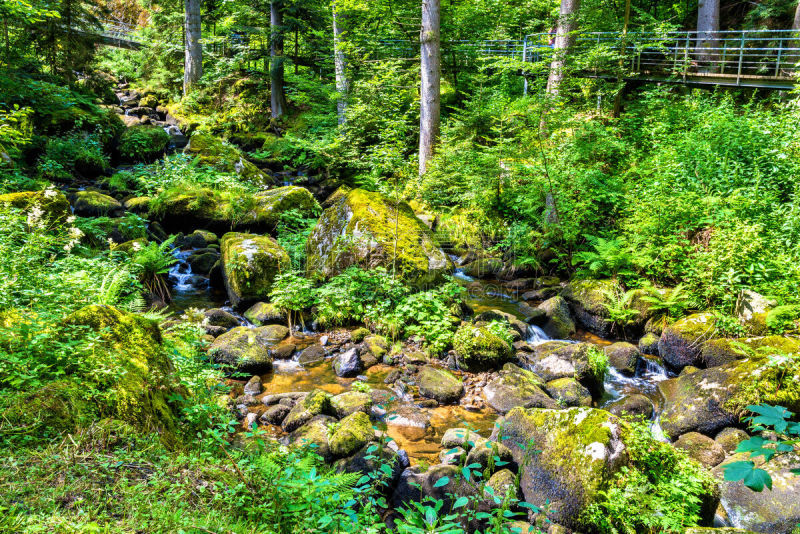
x: 565, y: 38
x: 193, y: 65
x: 707, y: 32
x: 796, y: 25
x: 278, y: 92
x: 430, y: 83
x: 340, y: 65
x: 621, y: 91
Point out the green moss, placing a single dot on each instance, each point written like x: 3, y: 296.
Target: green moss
x: 95, y: 203
x: 478, y: 349
x: 377, y: 345
x: 359, y: 228
x: 353, y: 432
x: 225, y: 158
x: 358, y: 335
x: 53, y: 204
x: 351, y: 402
x: 143, y: 143
x: 262, y: 313
x: 241, y: 349
x: 250, y: 263
x: 439, y: 384
x: 591, y: 294
x: 46, y: 412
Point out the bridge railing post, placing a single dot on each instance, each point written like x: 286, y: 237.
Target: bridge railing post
x: 524, y: 60
x: 741, y: 58
x: 778, y: 59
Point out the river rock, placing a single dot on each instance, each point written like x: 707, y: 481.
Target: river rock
x: 559, y: 359
x: 648, y: 344
x: 369, y: 459
x: 275, y: 414
x: 202, y: 261
x: 636, y: 405
x: 478, y: 349
x: 776, y: 511
x: 317, y: 402
x: 312, y: 354
x: 498, y: 486
x: 587, y: 299
x: 485, y: 450
x: 347, y: 363
x: 459, y: 437
x: 730, y: 437
x: 253, y: 386
x: 245, y: 350
x: 249, y: 265
x: 351, y: 402
x: 623, y: 356
x: 568, y: 392
x: 515, y: 387
x: 219, y: 317
x: 581, y: 451
x: 542, y: 293
x: 719, y: 351
x: 412, y: 422
x: 559, y: 324
x: 680, y: 342
x: 314, y: 434
x: 367, y: 222
x: 284, y: 351
x: 96, y: 204
x: 701, y: 448
x: 483, y: 267
x: 376, y: 345
x: 439, y: 384
x: 452, y: 456
x: 351, y: 434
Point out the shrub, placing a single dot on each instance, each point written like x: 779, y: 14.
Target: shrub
x: 76, y: 153
x: 143, y: 143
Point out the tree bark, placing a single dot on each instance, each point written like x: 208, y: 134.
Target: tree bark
x: 193, y: 63
x: 430, y: 83
x: 565, y: 38
x: 340, y: 65
x: 707, y: 31
x: 278, y: 91
x: 796, y: 25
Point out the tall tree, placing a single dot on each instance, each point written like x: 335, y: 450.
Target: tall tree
x: 430, y: 83
x: 193, y: 62
x: 796, y: 25
x: 277, y: 85
x: 565, y: 38
x: 707, y: 31
x: 340, y: 63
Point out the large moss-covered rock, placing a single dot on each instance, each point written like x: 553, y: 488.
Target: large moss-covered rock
x: 516, y: 387
x: 478, y: 349
x: 559, y: 359
x: 680, y: 342
x: 351, y: 402
x: 249, y: 265
x: 623, y: 356
x: 143, y: 143
x: 143, y: 380
x: 313, y: 434
x: 587, y: 299
x: 776, y: 511
x: 225, y: 158
x: 262, y: 313
x: 752, y: 309
x: 559, y: 324
x: 568, y: 392
x: 245, y: 350
x: 439, y: 384
x: 316, y: 402
x: 95, y: 204
x: 352, y: 433
x: 359, y: 228
x: 719, y: 351
x: 581, y: 451
x: 701, y: 448
x: 53, y: 204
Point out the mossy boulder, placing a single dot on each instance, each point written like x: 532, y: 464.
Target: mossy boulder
x: 559, y: 359
x: 559, y: 324
x: 143, y: 380
x: 351, y: 402
x: 53, y: 203
x: 439, y: 384
x: 262, y: 313
x: 680, y: 342
x: 483, y: 267
x: 313, y: 434
x: 581, y: 451
x: 568, y: 392
x: 352, y: 433
x: 775, y: 511
x: 244, y: 350
x: 49, y: 410
x: 376, y: 345
x: 719, y: 351
x: 479, y: 349
x: 225, y: 158
x: 143, y: 143
x: 138, y: 205
x: 623, y: 356
x: 249, y: 265
x: 635, y: 405
x: 359, y: 229
x: 752, y: 309
x: 268, y: 206
x: 648, y: 344
x: 516, y: 387
x: 730, y: 437
x: 701, y: 448
x: 587, y: 298
x: 316, y: 402
x: 96, y: 204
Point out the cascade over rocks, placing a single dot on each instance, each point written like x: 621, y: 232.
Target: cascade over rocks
x: 359, y: 229
x: 249, y: 265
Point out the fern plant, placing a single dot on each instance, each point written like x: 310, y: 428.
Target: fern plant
x: 618, y: 306
x: 608, y: 257
x: 151, y: 262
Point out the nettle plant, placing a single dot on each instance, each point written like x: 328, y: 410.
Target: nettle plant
x: 779, y: 436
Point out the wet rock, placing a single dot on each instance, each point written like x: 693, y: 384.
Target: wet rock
x: 559, y: 324
x: 498, y: 315
x: 532, y: 315
x: 623, y: 356
x: 360, y: 213
x: 581, y: 451
x: 312, y: 354
x: 483, y: 267
x: 680, y: 342
x: 314, y: 434
x: 587, y: 299
x: 350, y: 402
x: 409, y: 421
x: 351, y: 434
x: 701, y: 448
x: 720, y: 351
x: 250, y: 420
x: 636, y: 405
x: 568, y: 392
x: 253, y: 386
x: 249, y: 264
x: 542, y: 294
x: 283, y: 351
x: 203, y: 262
x: 219, y: 317
x: 275, y: 414
x: 516, y: 387
x: 558, y: 359
x: 478, y: 349
x: 460, y: 437
x: 521, y: 284
x: 439, y: 384
x: 776, y: 511
x: 648, y: 344
x: 730, y: 437
x: 244, y: 350
x: 522, y: 346
x: 246, y: 400
x: 275, y: 398
x: 485, y: 450
x: 317, y: 402
x: 376, y: 345
x: 96, y: 204
x: 347, y: 363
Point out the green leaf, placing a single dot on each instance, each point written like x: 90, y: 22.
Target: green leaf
x: 461, y: 501
x: 441, y: 482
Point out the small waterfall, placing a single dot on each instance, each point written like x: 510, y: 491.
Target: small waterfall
x: 652, y: 369
x: 459, y: 274
x: 184, y: 280
x: 536, y: 335
x: 655, y: 429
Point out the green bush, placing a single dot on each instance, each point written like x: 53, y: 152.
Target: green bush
x: 76, y: 153
x: 143, y: 143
